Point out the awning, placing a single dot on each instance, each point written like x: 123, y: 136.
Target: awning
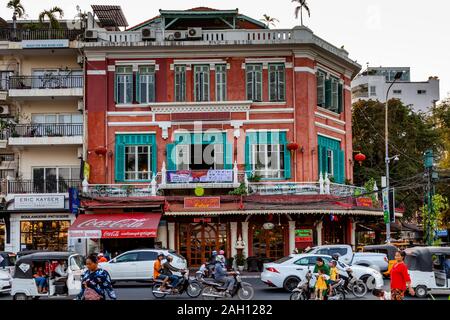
x: 118, y: 226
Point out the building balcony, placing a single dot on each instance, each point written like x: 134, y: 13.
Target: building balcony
x: 46, y: 134
x: 46, y: 86
x: 39, y: 186
x: 9, y: 34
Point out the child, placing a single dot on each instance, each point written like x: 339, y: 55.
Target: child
x: 321, y: 284
x: 334, y: 275
x: 381, y: 294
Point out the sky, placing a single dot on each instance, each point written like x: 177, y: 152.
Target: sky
x: 406, y: 33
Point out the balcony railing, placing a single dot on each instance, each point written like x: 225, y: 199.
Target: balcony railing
x: 39, y: 186
x: 8, y: 34
x: 46, y: 130
x: 120, y: 190
x: 46, y: 82
x: 303, y: 188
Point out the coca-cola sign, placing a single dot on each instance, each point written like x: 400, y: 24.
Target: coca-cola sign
x: 115, y: 226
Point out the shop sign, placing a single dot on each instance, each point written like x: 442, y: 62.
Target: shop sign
x: 204, y: 220
x: 49, y: 43
x: 268, y: 226
x: 303, y: 235
x: 74, y: 200
x: 364, y: 202
x: 45, y: 217
x: 202, y: 202
x: 39, y: 202
x: 200, y: 176
x: 441, y: 233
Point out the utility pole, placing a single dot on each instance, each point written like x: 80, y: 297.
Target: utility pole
x: 431, y: 176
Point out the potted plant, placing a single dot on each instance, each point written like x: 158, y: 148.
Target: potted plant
x: 240, y: 261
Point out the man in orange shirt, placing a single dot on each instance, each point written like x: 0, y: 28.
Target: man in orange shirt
x: 101, y: 258
x: 157, y: 268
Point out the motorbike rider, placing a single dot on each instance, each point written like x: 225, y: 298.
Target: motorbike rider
x: 221, y: 275
x: 210, y: 264
x: 168, y: 269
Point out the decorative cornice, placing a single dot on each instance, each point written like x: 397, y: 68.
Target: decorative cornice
x: 188, y: 107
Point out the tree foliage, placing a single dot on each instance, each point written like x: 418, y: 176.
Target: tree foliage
x: 410, y: 134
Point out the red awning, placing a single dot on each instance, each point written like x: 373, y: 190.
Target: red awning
x: 117, y: 226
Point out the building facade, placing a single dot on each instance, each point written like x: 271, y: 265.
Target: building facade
x: 374, y: 82
x: 41, y: 134
x: 233, y: 136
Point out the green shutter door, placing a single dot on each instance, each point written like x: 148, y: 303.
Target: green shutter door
x: 248, y: 165
x: 138, y: 88
x: 287, y: 162
x: 339, y: 166
x: 228, y: 156
x: 120, y: 162
x: 328, y: 93
x: 323, y: 160
x: 154, y: 157
x: 170, y: 157
x: 340, y: 98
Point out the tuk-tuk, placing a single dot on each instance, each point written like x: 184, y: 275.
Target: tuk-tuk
x: 25, y: 287
x: 388, y: 250
x: 428, y: 271
x: 7, y: 261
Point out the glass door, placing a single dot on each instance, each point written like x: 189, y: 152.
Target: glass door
x: 268, y: 243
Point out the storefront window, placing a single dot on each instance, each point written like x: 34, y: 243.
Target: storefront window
x: 44, y: 235
x: 268, y: 243
x: 2, y: 237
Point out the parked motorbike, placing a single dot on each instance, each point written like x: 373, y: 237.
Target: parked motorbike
x: 192, y: 287
x: 338, y: 290
x: 304, y: 290
x: 217, y: 290
x: 354, y: 285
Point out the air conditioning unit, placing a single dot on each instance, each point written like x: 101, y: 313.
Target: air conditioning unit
x: 91, y: 34
x: 80, y: 60
x: 148, y: 34
x: 80, y: 105
x: 176, y: 35
x: 194, y: 33
x: 4, y: 110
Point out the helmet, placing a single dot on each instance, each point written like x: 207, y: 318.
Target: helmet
x: 336, y: 256
x: 160, y: 254
x: 221, y: 252
x: 214, y: 253
x: 220, y: 258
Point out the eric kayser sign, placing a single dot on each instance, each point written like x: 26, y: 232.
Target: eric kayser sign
x: 39, y: 202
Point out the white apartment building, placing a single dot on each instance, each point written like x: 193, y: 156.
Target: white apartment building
x: 373, y: 83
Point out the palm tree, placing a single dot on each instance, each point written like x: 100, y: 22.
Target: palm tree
x: 18, y: 10
x: 301, y: 4
x: 269, y: 21
x: 51, y: 15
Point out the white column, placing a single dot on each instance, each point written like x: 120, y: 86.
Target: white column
x: 162, y: 235
x: 319, y: 233
x: 171, y: 233
x: 291, y: 236
x: 233, y: 237
x: 245, y: 238
x: 353, y: 235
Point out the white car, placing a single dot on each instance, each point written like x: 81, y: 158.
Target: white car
x: 5, y: 282
x: 138, y: 264
x: 289, y: 271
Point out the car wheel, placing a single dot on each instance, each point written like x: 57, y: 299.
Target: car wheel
x: 20, y: 296
x: 421, y: 292
x: 291, y: 283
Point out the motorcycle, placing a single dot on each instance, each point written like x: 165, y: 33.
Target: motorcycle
x: 192, y: 287
x: 338, y: 290
x: 304, y: 289
x: 216, y: 290
x: 354, y: 285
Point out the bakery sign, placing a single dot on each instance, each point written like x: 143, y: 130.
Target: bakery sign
x: 202, y: 202
x: 39, y: 202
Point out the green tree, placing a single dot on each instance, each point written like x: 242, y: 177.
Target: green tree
x: 18, y: 10
x: 269, y: 21
x: 410, y: 134
x: 299, y: 9
x: 51, y: 15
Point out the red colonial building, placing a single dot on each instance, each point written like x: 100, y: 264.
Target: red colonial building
x: 224, y: 133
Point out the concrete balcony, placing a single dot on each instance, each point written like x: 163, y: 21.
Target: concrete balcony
x: 35, y: 87
x: 9, y: 34
x: 46, y: 134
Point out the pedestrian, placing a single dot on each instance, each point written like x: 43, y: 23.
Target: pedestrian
x: 321, y: 269
x: 400, y: 279
x: 96, y: 282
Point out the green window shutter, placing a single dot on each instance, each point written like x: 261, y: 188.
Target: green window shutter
x: 228, y: 156
x: 154, y: 157
x: 248, y: 157
x: 322, y: 159
x: 171, y: 165
x: 287, y: 162
x: 339, y: 166
x: 120, y: 162
x: 328, y: 93
x: 138, y: 88
x: 340, y: 98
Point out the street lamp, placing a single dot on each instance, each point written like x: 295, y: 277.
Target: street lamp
x: 398, y: 75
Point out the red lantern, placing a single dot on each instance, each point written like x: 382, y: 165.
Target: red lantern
x: 293, y: 146
x: 360, y: 158
x: 101, y: 151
